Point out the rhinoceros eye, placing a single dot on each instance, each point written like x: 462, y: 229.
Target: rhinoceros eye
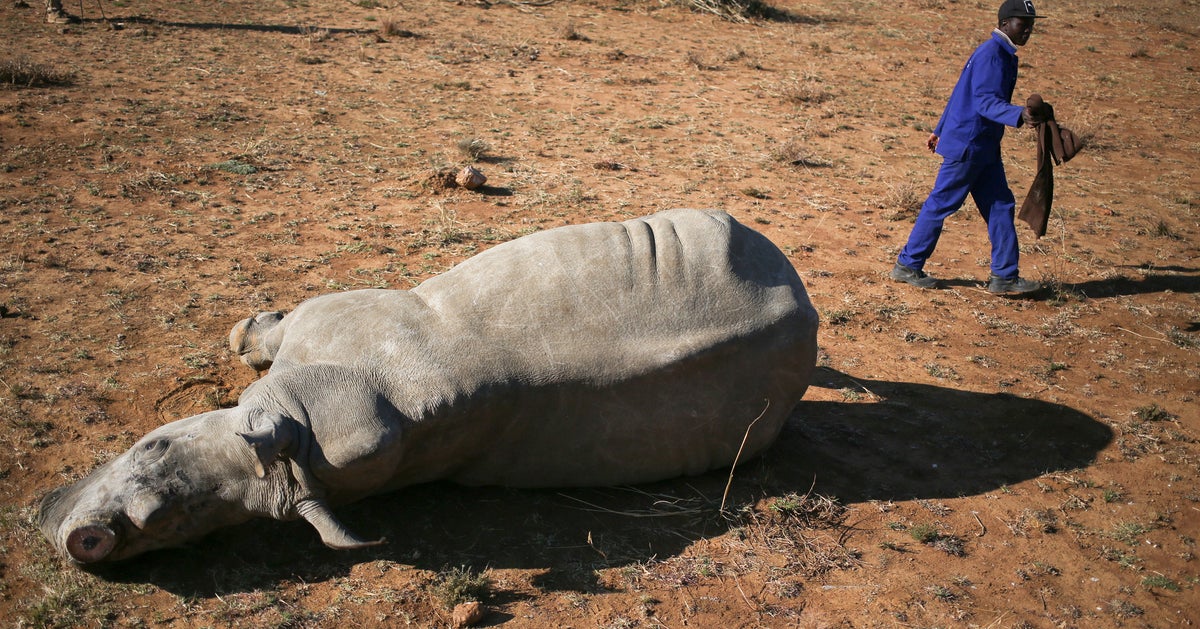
x: 152, y: 450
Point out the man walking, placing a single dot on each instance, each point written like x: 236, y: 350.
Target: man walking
x: 968, y: 138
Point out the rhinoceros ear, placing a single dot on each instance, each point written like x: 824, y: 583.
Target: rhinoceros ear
x: 271, y: 437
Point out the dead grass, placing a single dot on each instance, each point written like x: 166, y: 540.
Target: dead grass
x: 570, y: 32
x: 22, y: 71
x: 741, y: 11
x: 808, y: 531
x: 473, y: 148
x: 392, y: 26
x: 461, y: 584
x: 805, y: 93
x: 799, y: 152
x: 902, y: 202
x: 134, y: 233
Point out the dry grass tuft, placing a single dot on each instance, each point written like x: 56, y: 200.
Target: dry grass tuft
x: 24, y: 72
x: 461, y: 585
x: 570, y: 32
x: 474, y: 148
x: 390, y: 27
x: 797, y: 152
x: 741, y: 11
x: 805, y: 93
x: 700, y: 63
x: 902, y: 201
x: 315, y: 35
x: 808, y: 530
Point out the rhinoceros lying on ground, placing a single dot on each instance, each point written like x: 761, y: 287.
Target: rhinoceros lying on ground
x: 587, y: 355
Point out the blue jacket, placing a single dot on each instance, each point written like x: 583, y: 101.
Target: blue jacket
x: 972, y: 124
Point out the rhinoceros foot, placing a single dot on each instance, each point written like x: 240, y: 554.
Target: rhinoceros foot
x: 247, y: 339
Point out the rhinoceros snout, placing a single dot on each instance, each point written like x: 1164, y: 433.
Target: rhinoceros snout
x: 91, y: 542
x: 86, y: 537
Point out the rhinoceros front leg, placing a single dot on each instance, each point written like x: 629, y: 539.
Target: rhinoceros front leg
x: 274, y: 438
x: 333, y: 532
x: 311, y: 506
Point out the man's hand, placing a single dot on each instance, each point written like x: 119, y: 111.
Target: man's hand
x: 1031, y: 116
x: 932, y: 142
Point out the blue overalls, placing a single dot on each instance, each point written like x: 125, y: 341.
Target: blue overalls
x: 969, y: 135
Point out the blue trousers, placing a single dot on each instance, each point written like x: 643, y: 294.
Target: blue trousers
x: 987, y: 184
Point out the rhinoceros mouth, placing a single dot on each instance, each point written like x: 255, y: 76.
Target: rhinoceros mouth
x: 91, y: 543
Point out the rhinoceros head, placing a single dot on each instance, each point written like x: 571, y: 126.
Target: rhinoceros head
x: 186, y: 479
x: 176, y: 484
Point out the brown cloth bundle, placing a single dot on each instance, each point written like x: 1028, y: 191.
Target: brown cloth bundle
x: 1056, y: 145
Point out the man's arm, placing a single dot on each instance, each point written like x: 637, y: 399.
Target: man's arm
x: 988, y: 96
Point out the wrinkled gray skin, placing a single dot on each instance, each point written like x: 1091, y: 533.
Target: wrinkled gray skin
x: 597, y: 354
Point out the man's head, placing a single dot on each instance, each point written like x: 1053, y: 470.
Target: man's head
x: 1016, y: 20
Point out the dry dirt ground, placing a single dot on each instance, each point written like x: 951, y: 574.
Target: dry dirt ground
x: 960, y: 459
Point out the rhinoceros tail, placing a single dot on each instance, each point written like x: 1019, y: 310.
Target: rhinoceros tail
x: 333, y: 532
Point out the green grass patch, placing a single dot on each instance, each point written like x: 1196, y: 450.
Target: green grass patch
x: 234, y: 166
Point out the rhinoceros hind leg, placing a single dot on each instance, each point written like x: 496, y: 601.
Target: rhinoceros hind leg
x: 248, y: 339
x: 333, y: 532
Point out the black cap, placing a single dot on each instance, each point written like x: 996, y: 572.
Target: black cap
x: 1017, y: 8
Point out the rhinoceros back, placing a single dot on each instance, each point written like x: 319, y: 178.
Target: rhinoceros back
x: 624, y: 352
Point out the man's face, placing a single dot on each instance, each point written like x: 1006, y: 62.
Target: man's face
x: 1018, y: 29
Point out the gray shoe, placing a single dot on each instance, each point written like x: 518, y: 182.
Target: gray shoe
x: 1013, y: 286
x: 59, y: 17
x: 916, y: 277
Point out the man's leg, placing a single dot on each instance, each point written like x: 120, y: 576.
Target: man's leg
x: 55, y: 13
x: 997, y: 205
x: 954, y: 180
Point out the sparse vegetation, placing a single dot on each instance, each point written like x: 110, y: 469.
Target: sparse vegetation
x: 473, y: 148
x: 924, y: 533
x: 390, y: 26
x: 735, y: 10
x: 461, y: 585
x: 929, y: 535
x: 236, y: 167
x: 1124, y: 609
x: 796, y: 152
x: 570, y: 32
x: 21, y: 71
x: 153, y: 198
x: 1159, y: 581
x: 1153, y: 413
x: 903, y: 201
x: 1128, y: 532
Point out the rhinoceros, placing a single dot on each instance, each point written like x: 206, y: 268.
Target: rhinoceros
x: 587, y: 355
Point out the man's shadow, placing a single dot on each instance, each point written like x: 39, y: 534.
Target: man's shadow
x: 887, y: 441
x: 1172, y: 279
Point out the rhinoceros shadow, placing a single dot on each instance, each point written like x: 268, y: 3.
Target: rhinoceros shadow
x: 896, y: 441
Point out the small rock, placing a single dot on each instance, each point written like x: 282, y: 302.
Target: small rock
x: 467, y: 614
x: 470, y: 178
